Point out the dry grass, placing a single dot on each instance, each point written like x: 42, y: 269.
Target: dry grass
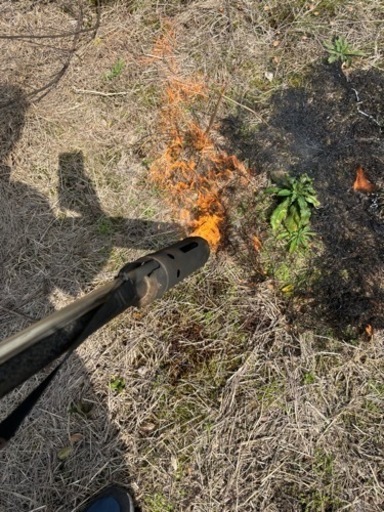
x: 226, y: 406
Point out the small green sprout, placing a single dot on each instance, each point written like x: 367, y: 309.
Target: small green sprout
x: 340, y: 51
x: 116, y: 70
x: 117, y: 384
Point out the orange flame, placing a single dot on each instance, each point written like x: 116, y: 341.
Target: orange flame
x: 195, y: 174
x: 362, y: 184
x: 256, y: 242
x: 369, y: 330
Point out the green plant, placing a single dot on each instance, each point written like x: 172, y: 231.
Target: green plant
x: 297, y: 239
x: 340, y: 51
x: 376, y: 387
x: 81, y: 407
x: 115, y: 70
x: 319, y: 501
x: 323, y: 464
x: 105, y: 226
x: 158, y: 503
x: 309, y: 378
x: 290, y: 219
x: 117, y: 384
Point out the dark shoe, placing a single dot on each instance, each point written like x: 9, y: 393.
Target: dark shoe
x: 112, y: 499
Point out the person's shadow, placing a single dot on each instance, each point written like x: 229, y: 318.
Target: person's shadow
x: 42, y: 251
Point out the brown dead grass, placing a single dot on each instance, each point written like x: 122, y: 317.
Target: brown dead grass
x: 225, y: 407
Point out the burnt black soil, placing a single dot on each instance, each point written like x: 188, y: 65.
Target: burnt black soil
x: 317, y: 129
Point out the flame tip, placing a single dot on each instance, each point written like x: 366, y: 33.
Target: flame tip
x: 195, y: 173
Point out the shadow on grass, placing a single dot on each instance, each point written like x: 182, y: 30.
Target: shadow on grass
x: 41, y: 252
x: 326, y: 128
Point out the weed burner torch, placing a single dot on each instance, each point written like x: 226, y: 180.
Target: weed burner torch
x: 137, y: 284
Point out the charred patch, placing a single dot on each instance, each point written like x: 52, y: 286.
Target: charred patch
x: 328, y: 129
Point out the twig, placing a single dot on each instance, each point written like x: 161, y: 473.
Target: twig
x: 359, y: 102
x: 243, y: 106
x: 53, y: 36
x: 18, y: 313
x: 39, y: 93
x: 43, y: 91
x: 100, y: 93
x: 215, y: 110
x: 74, y: 33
